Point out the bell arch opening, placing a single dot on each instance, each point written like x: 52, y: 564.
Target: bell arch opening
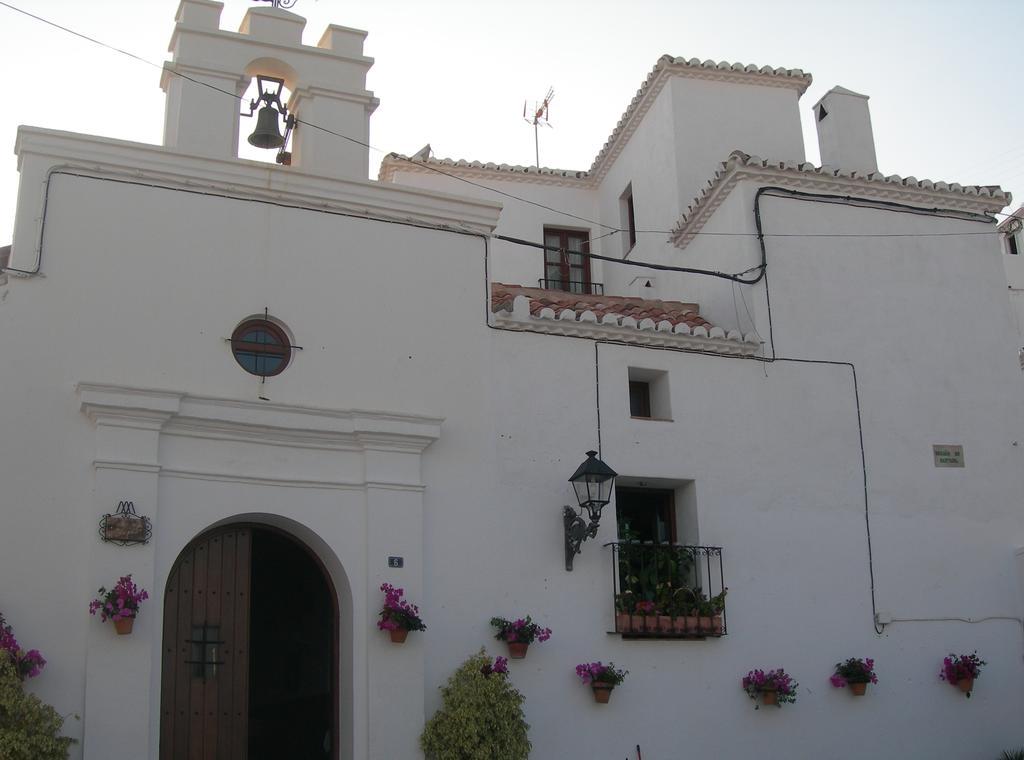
x: 250, y: 649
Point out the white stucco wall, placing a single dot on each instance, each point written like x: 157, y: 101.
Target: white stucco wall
x: 407, y: 426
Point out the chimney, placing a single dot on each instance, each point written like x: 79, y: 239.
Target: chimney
x: 845, y: 139
x: 327, y: 83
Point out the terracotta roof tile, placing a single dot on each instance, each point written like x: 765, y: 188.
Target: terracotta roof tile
x: 675, y: 312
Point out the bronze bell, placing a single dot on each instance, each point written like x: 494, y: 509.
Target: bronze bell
x: 267, y: 133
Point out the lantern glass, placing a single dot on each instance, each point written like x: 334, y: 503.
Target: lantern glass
x: 593, y: 482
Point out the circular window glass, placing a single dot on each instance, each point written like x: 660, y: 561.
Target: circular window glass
x: 261, y: 347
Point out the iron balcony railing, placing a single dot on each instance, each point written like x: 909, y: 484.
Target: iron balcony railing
x: 573, y: 286
x: 668, y: 590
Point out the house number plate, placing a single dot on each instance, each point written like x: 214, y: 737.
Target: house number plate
x: 396, y: 561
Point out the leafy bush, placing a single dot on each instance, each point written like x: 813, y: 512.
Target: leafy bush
x: 1012, y: 754
x: 481, y: 718
x: 29, y: 728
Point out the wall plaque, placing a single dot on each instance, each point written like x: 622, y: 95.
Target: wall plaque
x: 124, y: 527
x: 948, y: 455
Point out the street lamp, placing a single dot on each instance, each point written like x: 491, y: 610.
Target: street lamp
x: 593, y: 482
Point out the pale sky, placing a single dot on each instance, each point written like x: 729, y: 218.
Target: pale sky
x: 943, y: 76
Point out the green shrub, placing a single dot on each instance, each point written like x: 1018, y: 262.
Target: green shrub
x: 29, y: 728
x: 1012, y: 754
x: 481, y: 718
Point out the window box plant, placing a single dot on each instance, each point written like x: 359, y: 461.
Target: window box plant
x: 398, y: 617
x: 519, y: 634
x: 856, y: 673
x: 624, y: 604
x: 120, y: 604
x: 776, y: 687
x: 601, y: 678
x: 960, y: 670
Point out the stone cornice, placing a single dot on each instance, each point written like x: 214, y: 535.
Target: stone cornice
x: 138, y: 162
x: 275, y: 424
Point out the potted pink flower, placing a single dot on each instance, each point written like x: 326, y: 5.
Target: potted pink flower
x: 601, y: 678
x: 960, y: 670
x: 26, y: 664
x: 398, y: 616
x: 519, y: 634
x: 120, y: 604
x: 856, y: 673
x: 776, y: 687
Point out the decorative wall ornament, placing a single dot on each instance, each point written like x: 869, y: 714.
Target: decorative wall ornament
x: 124, y: 527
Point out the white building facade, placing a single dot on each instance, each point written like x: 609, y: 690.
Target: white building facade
x: 781, y: 393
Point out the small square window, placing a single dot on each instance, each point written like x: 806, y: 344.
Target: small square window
x: 649, y: 394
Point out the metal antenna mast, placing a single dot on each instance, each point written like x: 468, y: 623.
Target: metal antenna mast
x: 539, y: 118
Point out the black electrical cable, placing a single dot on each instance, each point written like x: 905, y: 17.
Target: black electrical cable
x: 846, y: 200
x: 434, y: 168
x: 487, y: 312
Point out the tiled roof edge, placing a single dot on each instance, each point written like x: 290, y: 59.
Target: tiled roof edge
x: 544, y: 175
x: 739, y: 166
x: 666, y: 66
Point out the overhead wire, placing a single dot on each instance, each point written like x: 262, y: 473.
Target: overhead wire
x: 431, y: 167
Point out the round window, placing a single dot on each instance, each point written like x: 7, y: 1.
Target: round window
x: 261, y: 347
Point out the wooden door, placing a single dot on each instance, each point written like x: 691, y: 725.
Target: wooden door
x: 204, y: 699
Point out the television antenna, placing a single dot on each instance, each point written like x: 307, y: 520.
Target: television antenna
x: 539, y: 118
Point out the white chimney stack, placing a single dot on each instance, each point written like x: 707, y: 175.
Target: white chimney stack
x: 845, y: 138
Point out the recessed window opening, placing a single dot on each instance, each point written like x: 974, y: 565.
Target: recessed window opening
x: 628, y: 217
x: 565, y: 265
x: 1011, y: 245
x: 261, y: 347
x: 649, y: 394
x: 822, y: 113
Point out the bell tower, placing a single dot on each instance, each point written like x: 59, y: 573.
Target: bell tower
x: 211, y: 68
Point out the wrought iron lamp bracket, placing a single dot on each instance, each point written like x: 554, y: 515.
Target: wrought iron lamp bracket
x: 577, y: 530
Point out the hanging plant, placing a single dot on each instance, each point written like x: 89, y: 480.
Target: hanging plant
x: 856, y: 673
x: 960, y: 670
x: 601, y: 678
x: 519, y: 634
x: 398, y: 616
x: 120, y: 604
x: 776, y: 687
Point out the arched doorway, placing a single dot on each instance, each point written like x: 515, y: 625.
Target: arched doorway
x: 249, y: 650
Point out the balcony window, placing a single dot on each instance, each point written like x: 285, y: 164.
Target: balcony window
x: 663, y: 588
x: 565, y: 266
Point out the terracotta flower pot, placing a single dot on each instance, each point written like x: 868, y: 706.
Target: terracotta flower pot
x: 716, y: 624
x: 858, y: 689
x: 622, y: 623
x: 686, y: 624
x: 398, y: 635
x: 966, y: 685
x: 665, y: 624
x: 639, y: 624
x: 517, y: 649
x: 124, y: 626
x: 602, y: 691
x: 769, y: 697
